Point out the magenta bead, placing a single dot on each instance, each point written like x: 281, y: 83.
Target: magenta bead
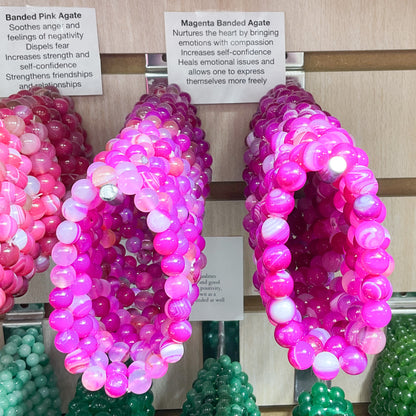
x: 180, y: 331
x: 166, y: 242
x: 301, y: 355
x: 275, y: 230
x: 369, y: 234
x: 276, y: 257
x: 290, y: 177
x: 61, y: 297
x: 61, y: 320
x: 116, y: 385
x: 177, y: 287
x: 66, y: 341
x: 289, y: 334
x: 353, y: 360
x: 376, y: 287
x: 77, y: 361
x: 178, y: 309
x: 171, y: 352
x: 279, y: 202
x: 376, y: 314
x: 375, y: 261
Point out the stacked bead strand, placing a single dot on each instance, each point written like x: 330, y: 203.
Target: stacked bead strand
x: 322, y: 266
x: 129, y: 255
x: 27, y: 381
x: 31, y: 188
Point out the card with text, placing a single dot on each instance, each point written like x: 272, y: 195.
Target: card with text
x: 225, y: 57
x: 221, y: 296
x: 49, y: 46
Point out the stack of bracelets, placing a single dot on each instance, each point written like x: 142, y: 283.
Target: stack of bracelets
x: 35, y: 160
x: 394, y: 379
x: 322, y: 266
x: 27, y: 381
x: 129, y: 255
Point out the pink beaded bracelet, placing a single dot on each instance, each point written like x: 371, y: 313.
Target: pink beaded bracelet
x: 31, y: 188
x: 321, y: 259
x: 129, y: 255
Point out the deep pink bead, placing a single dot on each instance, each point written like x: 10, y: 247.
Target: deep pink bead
x: 277, y: 257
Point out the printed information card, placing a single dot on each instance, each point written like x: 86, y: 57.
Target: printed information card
x: 221, y: 295
x: 49, y: 46
x: 225, y: 57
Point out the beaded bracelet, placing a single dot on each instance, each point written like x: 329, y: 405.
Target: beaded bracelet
x: 129, y: 255
x: 32, y: 126
x: 321, y: 262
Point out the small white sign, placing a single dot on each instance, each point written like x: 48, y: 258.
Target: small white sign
x: 225, y: 57
x: 49, y: 46
x: 221, y: 296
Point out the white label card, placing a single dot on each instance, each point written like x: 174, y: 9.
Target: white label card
x: 221, y: 296
x: 225, y: 57
x: 49, y: 46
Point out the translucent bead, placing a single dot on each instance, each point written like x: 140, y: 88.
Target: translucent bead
x: 93, y: 378
x: 68, y: 232
x: 326, y: 365
x: 139, y: 382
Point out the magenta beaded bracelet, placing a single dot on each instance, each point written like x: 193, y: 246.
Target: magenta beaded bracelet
x: 129, y: 255
x: 321, y: 260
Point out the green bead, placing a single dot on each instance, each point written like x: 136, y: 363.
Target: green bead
x: 319, y: 388
x: 43, y: 358
x: 12, y: 399
x: 243, y: 377
x: 305, y: 408
x: 29, y: 340
x: 208, y: 363
x: 30, y: 386
x: 235, y: 385
x: 8, y: 385
x: 10, y: 348
x: 32, y: 359
x: 4, y: 402
x: 336, y: 393
x: 225, y: 360
x: 15, y: 339
x: 389, y: 380
x: 38, y: 348
x: 305, y: 397
x: 250, y: 405
x: 44, y: 392
x: 24, y: 375
x: 24, y: 350
x: 236, y: 367
x: 402, y: 410
x: 33, y: 331
x: 41, y: 381
x: 5, y: 375
x: 317, y: 410
x: 296, y: 411
x: 6, y: 359
x: 21, y: 364
x: 36, y: 370
x: 236, y: 410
